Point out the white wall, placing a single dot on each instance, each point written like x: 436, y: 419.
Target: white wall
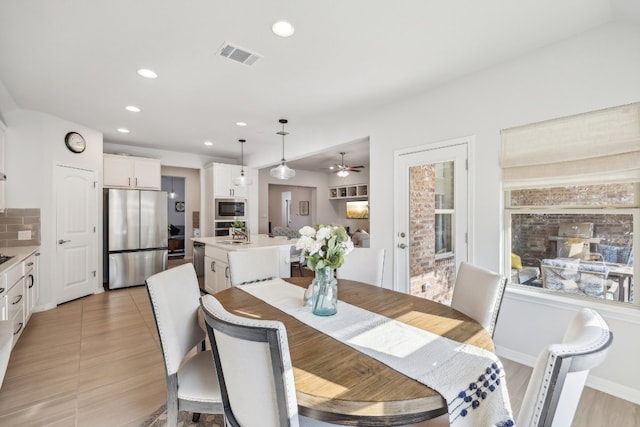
x: 320, y: 211
x: 298, y: 194
x: 35, y: 143
x: 596, y: 70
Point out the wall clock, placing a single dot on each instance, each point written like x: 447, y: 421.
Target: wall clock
x: 179, y: 206
x: 75, y: 142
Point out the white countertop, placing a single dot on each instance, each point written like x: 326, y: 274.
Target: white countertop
x: 18, y: 253
x: 257, y: 241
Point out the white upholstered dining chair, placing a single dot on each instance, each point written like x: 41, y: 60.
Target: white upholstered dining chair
x: 478, y: 293
x: 364, y: 265
x: 253, y: 265
x: 559, y: 375
x: 192, y: 383
x: 254, y: 368
x: 296, y: 259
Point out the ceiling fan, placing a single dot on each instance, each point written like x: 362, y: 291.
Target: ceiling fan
x: 343, y: 170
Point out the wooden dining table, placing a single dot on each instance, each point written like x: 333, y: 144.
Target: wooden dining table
x: 338, y: 384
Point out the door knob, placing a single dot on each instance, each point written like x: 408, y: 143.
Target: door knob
x: 60, y: 242
x: 402, y: 246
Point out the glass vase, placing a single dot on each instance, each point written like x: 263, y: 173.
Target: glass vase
x: 325, y: 292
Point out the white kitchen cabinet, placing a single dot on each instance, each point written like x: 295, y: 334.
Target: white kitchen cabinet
x: 216, y: 270
x: 31, y: 283
x: 218, y: 184
x: 18, y: 293
x: 15, y: 299
x: 3, y: 170
x: 131, y: 172
x: 223, y: 175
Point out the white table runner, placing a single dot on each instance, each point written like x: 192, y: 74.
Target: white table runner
x: 471, y: 379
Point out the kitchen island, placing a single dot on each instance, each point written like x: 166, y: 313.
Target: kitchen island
x: 216, y: 266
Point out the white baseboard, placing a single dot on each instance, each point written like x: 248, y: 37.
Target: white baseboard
x: 597, y: 383
x: 44, y: 307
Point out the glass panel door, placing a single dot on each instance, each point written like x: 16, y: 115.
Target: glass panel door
x: 435, y: 220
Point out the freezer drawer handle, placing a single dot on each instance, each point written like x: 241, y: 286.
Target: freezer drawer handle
x: 62, y: 242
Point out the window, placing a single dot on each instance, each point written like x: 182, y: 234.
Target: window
x: 444, y: 211
x: 574, y: 240
x: 572, y: 203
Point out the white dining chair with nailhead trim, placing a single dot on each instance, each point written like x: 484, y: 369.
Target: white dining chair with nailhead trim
x: 559, y: 375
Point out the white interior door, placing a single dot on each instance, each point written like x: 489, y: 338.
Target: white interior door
x: 431, y: 219
x: 286, y: 208
x: 76, y: 273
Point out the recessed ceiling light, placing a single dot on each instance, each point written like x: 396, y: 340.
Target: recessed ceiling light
x: 208, y: 143
x: 123, y: 130
x: 241, y: 124
x: 149, y: 74
x: 282, y: 29
x: 132, y: 108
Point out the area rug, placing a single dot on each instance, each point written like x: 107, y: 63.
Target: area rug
x: 159, y: 419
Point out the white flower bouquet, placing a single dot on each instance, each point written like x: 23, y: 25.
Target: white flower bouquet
x: 324, y: 246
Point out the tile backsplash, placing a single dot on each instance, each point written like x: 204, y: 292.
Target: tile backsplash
x: 14, y: 220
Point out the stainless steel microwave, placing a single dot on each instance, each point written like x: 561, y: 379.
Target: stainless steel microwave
x: 231, y: 209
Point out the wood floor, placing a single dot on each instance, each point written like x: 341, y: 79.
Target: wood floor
x: 97, y: 362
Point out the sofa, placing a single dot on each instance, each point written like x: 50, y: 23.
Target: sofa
x: 360, y: 239
x: 616, y: 254
x: 290, y: 233
x: 576, y: 276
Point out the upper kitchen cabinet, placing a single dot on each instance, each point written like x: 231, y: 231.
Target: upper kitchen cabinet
x: 3, y: 133
x: 131, y: 172
x: 223, y: 186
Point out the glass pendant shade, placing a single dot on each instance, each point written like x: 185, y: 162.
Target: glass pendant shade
x: 342, y: 174
x: 172, y: 195
x: 242, y: 181
x: 282, y: 171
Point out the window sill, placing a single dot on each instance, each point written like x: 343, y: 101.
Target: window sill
x: 538, y: 296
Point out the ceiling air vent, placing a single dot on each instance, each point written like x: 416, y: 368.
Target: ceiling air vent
x: 238, y: 54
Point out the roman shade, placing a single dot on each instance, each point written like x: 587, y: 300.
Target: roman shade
x: 576, y: 149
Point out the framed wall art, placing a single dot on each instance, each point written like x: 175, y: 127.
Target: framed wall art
x: 303, y: 209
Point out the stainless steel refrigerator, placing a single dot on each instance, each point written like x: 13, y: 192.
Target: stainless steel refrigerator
x: 136, y: 236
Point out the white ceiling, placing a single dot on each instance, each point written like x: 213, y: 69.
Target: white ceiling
x: 77, y: 59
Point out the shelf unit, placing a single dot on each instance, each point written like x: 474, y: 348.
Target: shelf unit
x: 358, y: 191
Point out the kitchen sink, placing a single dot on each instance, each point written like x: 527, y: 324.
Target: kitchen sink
x: 232, y: 242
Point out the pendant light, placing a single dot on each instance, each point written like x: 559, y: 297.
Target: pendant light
x: 282, y: 171
x: 172, y: 195
x: 242, y: 181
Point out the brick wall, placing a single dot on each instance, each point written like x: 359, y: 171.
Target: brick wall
x: 530, y: 232
x: 429, y: 278
x: 14, y: 220
x: 578, y: 195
